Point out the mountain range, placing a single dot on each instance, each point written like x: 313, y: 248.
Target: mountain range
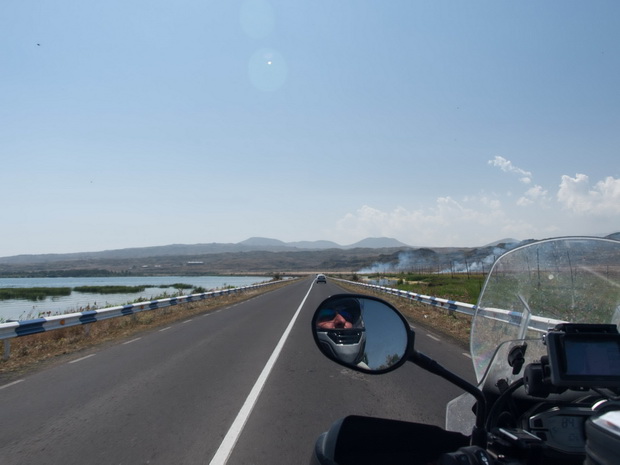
x: 368, y: 243
x: 252, y: 244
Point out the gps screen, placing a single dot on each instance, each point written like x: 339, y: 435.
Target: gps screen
x: 592, y: 357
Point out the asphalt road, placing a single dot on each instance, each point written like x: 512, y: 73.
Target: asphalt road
x: 173, y: 394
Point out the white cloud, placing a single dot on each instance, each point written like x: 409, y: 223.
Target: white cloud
x: 448, y: 222
x: 576, y: 195
x: 480, y: 218
x: 507, y: 167
x: 533, y: 195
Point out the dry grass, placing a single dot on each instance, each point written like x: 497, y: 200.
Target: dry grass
x: 37, y: 350
x: 455, y: 326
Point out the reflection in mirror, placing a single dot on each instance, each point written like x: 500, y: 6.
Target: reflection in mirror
x: 361, y: 332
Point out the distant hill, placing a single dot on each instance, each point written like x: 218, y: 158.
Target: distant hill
x: 262, y: 242
x: 614, y: 236
x: 502, y: 241
x: 377, y: 243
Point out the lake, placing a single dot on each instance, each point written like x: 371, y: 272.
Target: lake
x: 20, y: 309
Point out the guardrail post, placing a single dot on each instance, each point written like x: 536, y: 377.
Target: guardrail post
x: 7, y: 350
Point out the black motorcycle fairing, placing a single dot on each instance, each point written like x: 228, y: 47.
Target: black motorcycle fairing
x: 366, y: 440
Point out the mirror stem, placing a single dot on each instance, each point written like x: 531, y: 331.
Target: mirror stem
x: 423, y: 361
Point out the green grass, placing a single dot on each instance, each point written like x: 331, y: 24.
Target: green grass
x: 109, y: 289
x: 33, y: 293
x: 461, y: 287
x: 126, y: 289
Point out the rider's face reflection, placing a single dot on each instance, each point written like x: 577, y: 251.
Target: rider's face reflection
x: 330, y: 319
x: 337, y: 322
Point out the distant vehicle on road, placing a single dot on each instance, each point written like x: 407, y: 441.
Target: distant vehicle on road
x: 320, y: 278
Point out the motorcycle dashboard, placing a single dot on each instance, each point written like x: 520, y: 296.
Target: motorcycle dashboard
x: 562, y: 428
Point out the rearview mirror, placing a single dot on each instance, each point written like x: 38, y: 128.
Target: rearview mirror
x: 362, y: 332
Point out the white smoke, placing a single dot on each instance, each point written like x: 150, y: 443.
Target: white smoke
x: 427, y: 261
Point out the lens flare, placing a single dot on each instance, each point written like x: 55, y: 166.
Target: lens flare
x: 267, y: 70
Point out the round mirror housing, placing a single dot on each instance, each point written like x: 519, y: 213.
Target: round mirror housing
x: 362, y: 332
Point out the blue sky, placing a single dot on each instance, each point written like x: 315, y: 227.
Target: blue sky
x: 439, y: 123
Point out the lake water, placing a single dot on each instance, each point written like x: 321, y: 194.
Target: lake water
x: 20, y: 309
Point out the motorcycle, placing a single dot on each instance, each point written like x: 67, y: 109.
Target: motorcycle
x: 546, y: 353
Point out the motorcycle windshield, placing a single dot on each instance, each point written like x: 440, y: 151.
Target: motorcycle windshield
x: 534, y: 287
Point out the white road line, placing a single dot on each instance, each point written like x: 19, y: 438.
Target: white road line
x: 11, y: 384
x: 165, y: 329
x: 227, y: 445
x: 133, y: 340
x: 187, y: 321
x: 433, y: 337
x: 467, y: 355
x: 83, y: 358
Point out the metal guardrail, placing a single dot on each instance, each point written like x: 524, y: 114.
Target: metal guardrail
x: 535, y: 323
x: 15, y: 329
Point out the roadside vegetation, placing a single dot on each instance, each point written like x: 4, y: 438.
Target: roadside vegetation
x: 459, y: 287
x: 30, y: 352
